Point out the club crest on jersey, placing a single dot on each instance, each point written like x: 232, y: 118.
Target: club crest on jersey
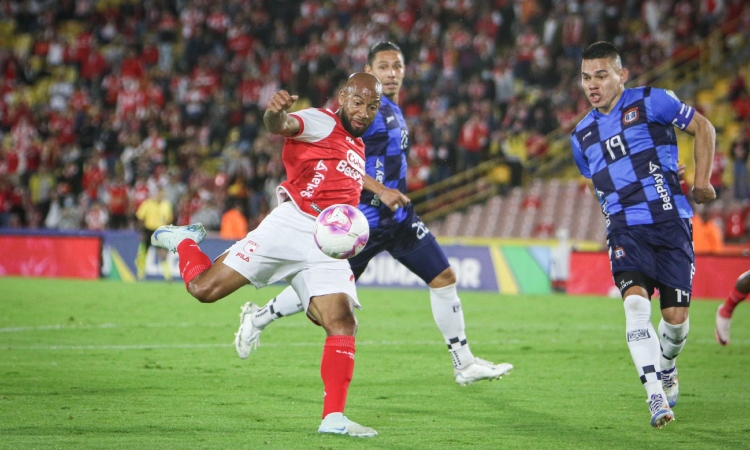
x: 630, y: 116
x: 250, y: 247
x: 619, y: 253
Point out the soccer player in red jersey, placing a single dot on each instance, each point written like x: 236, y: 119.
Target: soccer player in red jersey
x: 324, y: 159
x: 726, y: 310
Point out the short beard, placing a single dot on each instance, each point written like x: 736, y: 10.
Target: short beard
x: 347, y: 123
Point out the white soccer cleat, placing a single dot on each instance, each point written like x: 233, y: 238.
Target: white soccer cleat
x: 481, y: 369
x: 247, y: 337
x: 670, y: 385
x: 661, y: 413
x: 722, y: 328
x: 170, y: 236
x: 337, y: 423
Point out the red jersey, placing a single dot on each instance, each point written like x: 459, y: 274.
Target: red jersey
x: 325, y: 164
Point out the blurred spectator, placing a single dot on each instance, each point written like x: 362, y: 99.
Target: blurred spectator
x: 118, y: 203
x: 154, y: 212
x: 472, y: 141
x: 739, y: 152
x: 96, y: 217
x: 717, y: 172
x: 233, y: 222
x: 707, y: 235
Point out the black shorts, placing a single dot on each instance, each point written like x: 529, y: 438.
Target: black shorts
x: 409, y: 242
x: 662, y: 253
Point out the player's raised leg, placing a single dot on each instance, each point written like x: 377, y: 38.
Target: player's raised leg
x: 204, y: 281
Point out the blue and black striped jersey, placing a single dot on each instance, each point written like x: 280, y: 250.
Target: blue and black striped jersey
x: 386, y: 151
x: 631, y: 156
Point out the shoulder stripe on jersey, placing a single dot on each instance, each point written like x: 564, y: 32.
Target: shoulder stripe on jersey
x: 318, y: 124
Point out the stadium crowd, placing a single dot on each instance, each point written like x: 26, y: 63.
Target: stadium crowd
x: 101, y: 102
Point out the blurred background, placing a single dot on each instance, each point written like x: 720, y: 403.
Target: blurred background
x: 102, y: 102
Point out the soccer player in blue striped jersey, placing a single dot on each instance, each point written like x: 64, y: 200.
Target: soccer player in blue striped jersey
x: 627, y: 146
x: 394, y: 227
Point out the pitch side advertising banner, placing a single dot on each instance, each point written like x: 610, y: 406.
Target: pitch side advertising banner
x: 714, y: 275
x: 499, y: 268
x: 53, y: 256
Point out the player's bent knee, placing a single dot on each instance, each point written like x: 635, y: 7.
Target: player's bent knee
x: 445, y: 278
x: 675, y: 315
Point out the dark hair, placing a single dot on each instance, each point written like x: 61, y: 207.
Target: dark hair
x: 381, y: 46
x: 600, y: 50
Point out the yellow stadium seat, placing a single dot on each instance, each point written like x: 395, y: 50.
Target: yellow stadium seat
x: 721, y: 88
x: 705, y: 99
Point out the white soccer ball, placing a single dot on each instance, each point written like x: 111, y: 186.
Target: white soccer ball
x: 341, y: 231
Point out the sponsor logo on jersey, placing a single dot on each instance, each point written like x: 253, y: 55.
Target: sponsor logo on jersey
x: 313, y: 184
x: 619, y: 253
x: 661, y: 189
x: 630, y: 116
x: 353, y: 167
x: 243, y: 257
x: 349, y: 139
x: 321, y: 166
x: 389, y: 119
x: 355, y: 160
x: 585, y: 136
x: 637, y: 335
x: 250, y: 247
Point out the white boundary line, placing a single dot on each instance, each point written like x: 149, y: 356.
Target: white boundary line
x: 437, y: 343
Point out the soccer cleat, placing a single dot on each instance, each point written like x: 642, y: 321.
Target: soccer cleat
x: 247, y: 337
x: 722, y: 328
x: 661, y: 413
x: 170, y: 236
x: 481, y: 370
x: 337, y: 423
x: 670, y: 385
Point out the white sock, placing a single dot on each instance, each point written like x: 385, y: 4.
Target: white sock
x: 446, y: 309
x: 643, y: 342
x: 672, y: 338
x: 285, y: 304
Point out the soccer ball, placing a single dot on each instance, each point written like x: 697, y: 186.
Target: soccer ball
x: 341, y: 231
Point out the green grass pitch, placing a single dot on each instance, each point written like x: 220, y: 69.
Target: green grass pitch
x: 99, y: 365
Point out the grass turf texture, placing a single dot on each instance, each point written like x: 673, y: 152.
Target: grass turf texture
x: 94, y: 365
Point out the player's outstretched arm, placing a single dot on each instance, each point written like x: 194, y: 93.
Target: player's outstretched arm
x: 276, y: 119
x: 392, y: 198
x: 704, y: 147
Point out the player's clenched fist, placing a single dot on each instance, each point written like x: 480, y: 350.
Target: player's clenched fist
x: 275, y: 117
x: 281, y: 101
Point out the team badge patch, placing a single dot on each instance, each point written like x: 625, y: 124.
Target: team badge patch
x: 619, y: 253
x: 250, y: 247
x: 637, y: 335
x: 630, y: 116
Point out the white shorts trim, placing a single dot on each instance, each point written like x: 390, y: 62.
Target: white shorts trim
x: 283, y: 248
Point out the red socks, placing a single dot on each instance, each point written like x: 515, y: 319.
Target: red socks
x: 336, y: 369
x: 193, y: 261
x: 735, y: 297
